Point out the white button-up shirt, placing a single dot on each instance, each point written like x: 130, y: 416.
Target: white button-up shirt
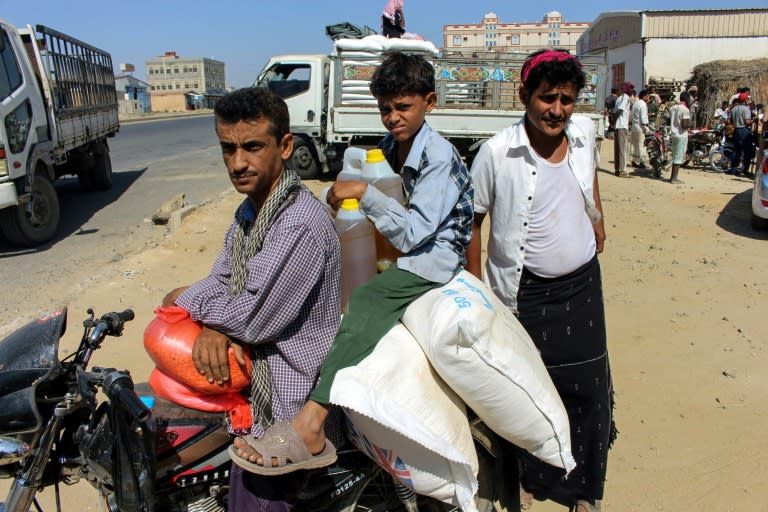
x: 504, y: 177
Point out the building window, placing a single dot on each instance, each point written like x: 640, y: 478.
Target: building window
x: 178, y: 86
x: 195, y: 85
x: 194, y: 69
x: 515, y: 39
x: 176, y: 70
x: 150, y: 71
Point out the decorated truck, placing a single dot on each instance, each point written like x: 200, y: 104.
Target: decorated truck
x: 58, y: 107
x: 331, y: 106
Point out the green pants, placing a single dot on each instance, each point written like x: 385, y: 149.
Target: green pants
x: 374, y: 308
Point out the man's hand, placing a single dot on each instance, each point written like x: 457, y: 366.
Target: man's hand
x: 599, y: 228
x: 170, y: 299
x: 341, y: 190
x: 210, y: 355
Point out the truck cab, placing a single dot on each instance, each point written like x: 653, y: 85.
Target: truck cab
x: 24, y: 128
x: 302, y: 81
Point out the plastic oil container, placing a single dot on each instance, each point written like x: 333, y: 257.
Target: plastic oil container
x: 352, y: 168
x: 378, y: 173
x: 358, y: 248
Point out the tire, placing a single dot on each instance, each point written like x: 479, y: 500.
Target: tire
x: 720, y: 158
x: 379, y: 494
x: 98, y: 176
x: 303, y: 160
x: 36, y: 222
x: 101, y: 173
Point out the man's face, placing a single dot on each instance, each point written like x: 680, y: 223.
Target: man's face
x: 403, y: 115
x: 549, y: 107
x: 254, y: 158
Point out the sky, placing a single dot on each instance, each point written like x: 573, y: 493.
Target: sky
x: 245, y: 34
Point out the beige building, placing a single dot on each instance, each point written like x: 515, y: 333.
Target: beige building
x: 178, y: 83
x: 492, y: 35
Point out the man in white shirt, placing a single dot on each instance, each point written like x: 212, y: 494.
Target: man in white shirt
x: 638, y: 130
x: 621, y: 131
x: 679, y: 122
x: 537, y: 180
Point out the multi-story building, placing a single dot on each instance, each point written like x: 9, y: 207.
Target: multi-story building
x: 178, y: 83
x: 491, y: 35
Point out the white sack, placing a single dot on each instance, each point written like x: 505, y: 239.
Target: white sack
x: 483, y: 353
x: 407, y: 420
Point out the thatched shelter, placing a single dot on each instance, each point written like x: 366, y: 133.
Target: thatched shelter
x: 718, y: 80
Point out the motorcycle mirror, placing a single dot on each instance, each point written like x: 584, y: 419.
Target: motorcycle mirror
x: 12, y: 450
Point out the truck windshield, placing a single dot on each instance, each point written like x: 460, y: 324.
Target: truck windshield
x: 10, y: 74
x: 286, y: 80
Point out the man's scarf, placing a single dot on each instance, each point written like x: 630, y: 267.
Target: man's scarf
x: 281, y: 197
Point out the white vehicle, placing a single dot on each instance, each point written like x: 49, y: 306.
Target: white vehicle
x: 58, y: 106
x: 331, y: 106
x: 760, y: 195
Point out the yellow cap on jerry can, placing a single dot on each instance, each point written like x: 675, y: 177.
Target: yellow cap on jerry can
x: 374, y: 156
x: 350, y: 204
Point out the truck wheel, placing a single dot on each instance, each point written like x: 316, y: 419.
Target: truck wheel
x: 36, y: 222
x: 102, y: 168
x: 303, y: 160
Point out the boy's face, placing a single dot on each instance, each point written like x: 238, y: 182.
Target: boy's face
x: 403, y: 115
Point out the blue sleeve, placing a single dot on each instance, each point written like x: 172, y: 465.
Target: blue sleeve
x: 433, y: 198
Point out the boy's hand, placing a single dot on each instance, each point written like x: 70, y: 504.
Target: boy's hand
x: 345, y: 190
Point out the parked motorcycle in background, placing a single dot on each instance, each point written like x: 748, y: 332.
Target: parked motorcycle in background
x: 657, y: 143
x: 701, y: 144
x: 166, y: 458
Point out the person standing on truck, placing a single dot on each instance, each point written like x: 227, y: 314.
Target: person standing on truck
x: 432, y: 232
x: 537, y: 180
x: 275, y: 287
x: 393, y: 19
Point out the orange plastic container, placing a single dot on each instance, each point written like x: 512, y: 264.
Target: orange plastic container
x: 169, y: 338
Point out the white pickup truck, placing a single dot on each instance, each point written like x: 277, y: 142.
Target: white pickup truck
x: 331, y: 107
x: 58, y: 106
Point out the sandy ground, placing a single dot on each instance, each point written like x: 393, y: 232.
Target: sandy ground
x: 685, y: 290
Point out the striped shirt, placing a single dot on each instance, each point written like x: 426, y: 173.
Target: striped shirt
x: 291, y: 302
x: 433, y: 231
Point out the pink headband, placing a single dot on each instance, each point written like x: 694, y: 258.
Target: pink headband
x: 547, y: 56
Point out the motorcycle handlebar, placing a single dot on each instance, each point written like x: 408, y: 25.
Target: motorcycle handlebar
x: 119, y: 387
x: 110, y: 324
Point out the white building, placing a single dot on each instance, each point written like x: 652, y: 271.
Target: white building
x: 644, y: 47
x: 493, y: 35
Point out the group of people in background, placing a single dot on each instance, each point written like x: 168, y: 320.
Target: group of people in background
x: 631, y: 115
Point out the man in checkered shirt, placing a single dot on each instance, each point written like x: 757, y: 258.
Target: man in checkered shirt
x: 275, y: 286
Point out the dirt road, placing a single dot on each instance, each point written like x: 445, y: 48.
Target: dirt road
x: 686, y: 292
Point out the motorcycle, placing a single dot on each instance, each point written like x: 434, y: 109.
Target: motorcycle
x: 700, y: 146
x: 657, y: 143
x: 165, y: 458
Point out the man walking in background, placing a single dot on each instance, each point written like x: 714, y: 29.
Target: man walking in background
x: 638, y: 130
x: 621, y: 130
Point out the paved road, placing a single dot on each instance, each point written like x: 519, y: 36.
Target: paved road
x: 152, y: 161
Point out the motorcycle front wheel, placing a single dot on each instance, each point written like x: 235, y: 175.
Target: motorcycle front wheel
x: 720, y: 158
